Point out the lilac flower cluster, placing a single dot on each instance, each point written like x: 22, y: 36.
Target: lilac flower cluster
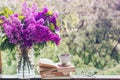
x: 33, y: 28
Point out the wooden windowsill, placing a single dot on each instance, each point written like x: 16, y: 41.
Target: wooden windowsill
x: 37, y: 77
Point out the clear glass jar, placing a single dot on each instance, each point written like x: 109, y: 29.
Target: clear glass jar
x: 25, y: 62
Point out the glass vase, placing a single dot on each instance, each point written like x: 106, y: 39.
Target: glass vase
x: 25, y: 62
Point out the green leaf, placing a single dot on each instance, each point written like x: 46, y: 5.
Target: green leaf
x: 1, y: 13
x: 58, y: 23
x: 4, y: 45
x: 7, y: 12
x: 21, y: 17
x: 52, y: 27
x: 49, y: 13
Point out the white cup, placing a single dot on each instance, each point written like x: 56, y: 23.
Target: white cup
x: 64, y: 59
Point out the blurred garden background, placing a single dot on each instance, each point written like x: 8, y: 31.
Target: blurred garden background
x: 90, y: 31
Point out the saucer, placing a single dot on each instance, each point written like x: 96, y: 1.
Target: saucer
x: 64, y: 65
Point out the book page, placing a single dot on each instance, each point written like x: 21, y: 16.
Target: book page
x: 47, y: 63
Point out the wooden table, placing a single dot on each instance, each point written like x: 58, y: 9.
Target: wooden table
x: 95, y: 77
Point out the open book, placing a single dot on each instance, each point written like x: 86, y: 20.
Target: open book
x: 47, y: 63
x: 48, y: 68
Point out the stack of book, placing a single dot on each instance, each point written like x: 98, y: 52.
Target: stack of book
x: 54, y: 70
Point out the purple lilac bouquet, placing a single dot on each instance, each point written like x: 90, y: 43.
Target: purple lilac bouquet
x: 31, y: 26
